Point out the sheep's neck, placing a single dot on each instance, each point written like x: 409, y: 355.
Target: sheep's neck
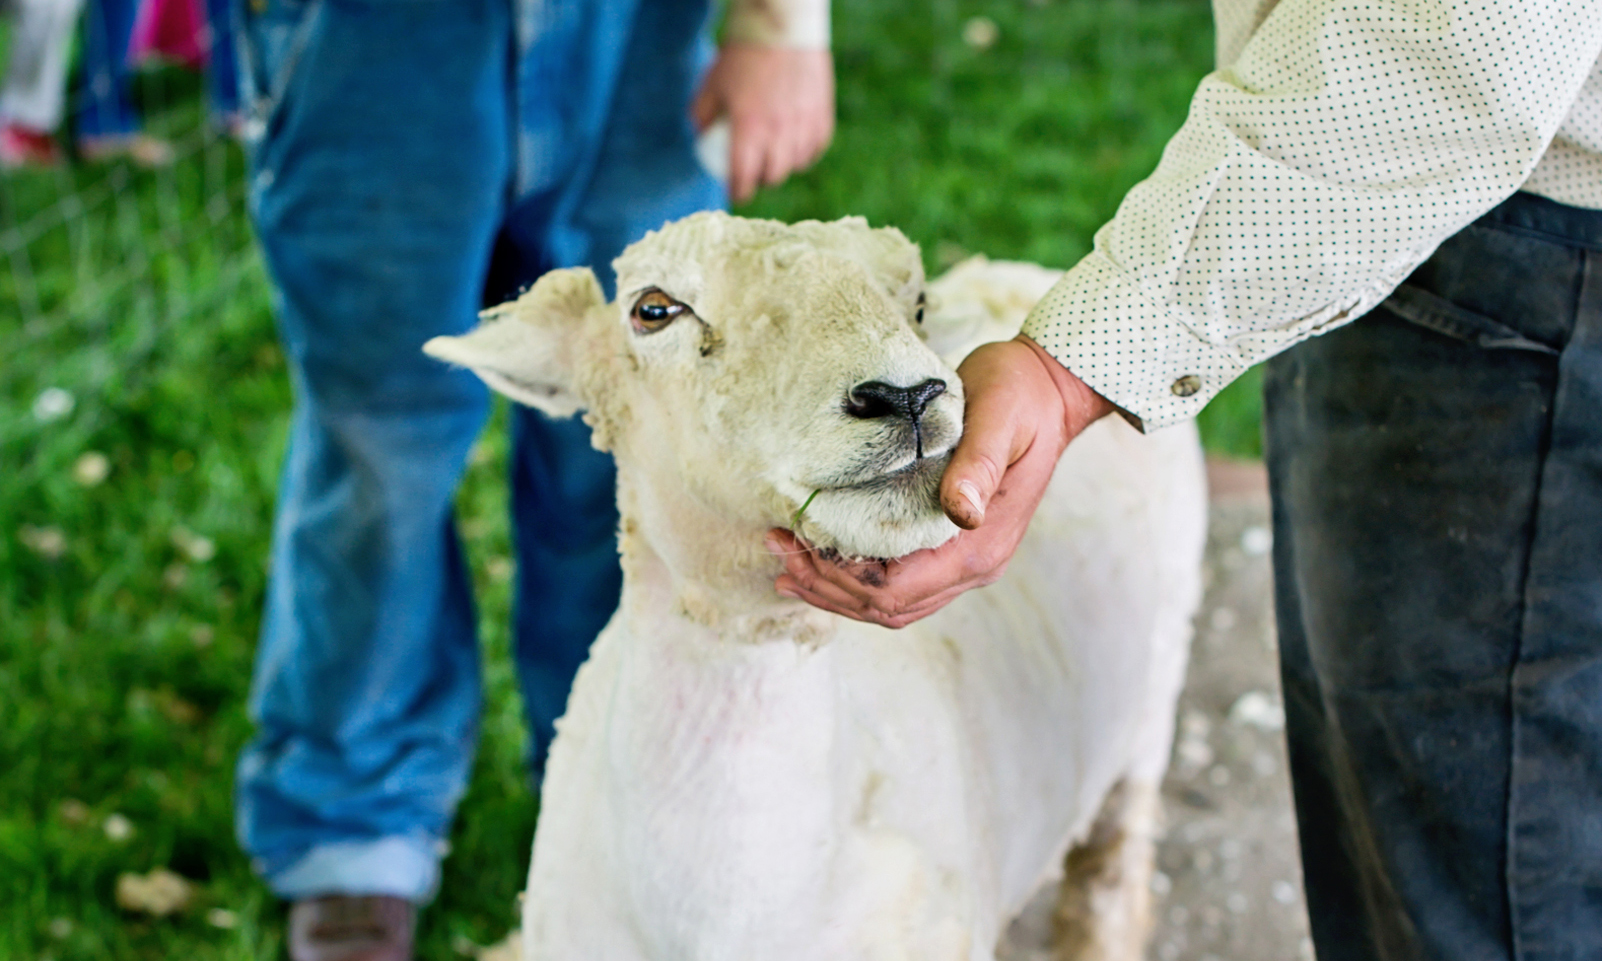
x: 682, y: 561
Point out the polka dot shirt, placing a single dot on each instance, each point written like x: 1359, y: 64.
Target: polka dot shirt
x: 1340, y: 144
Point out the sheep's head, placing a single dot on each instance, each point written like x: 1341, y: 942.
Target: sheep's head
x: 751, y: 369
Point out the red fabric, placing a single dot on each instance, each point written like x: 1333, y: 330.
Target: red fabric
x: 169, y: 30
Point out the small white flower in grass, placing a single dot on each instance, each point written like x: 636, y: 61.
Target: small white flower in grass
x: 222, y: 918
x: 52, y: 404
x: 499, y: 569
x: 60, y: 928
x: 194, y: 546
x: 48, y: 542
x: 202, y: 635
x: 980, y: 33
x: 159, y: 893
x: 174, y: 576
x: 91, y: 468
x: 73, y: 811
x: 117, y: 827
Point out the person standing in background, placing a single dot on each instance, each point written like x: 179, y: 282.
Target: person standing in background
x: 411, y: 162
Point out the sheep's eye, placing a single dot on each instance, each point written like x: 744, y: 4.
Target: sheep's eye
x: 918, y: 318
x: 655, y: 310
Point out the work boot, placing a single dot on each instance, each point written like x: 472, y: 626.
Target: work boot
x: 351, y: 928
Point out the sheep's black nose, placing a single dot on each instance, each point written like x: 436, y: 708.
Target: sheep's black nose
x: 878, y: 399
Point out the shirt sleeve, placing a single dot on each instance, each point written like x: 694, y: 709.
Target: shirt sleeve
x: 1347, y: 141
x: 797, y: 24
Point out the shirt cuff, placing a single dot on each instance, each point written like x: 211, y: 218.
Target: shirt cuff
x: 793, y: 24
x: 1098, y: 324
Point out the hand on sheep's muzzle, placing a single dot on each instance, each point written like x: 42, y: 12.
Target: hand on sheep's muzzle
x: 1023, y: 409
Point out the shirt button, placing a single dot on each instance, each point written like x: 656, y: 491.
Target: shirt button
x: 1186, y: 385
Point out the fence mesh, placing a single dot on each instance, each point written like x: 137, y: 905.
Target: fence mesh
x: 87, y: 246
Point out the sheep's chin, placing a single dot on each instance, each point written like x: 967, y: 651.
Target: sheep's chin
x: 886, y: 519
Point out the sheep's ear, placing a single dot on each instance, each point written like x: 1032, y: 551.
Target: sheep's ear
x: 533, y: 349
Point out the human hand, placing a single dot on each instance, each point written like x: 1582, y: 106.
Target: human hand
x: 780, y: 106
x: 1023, y: 407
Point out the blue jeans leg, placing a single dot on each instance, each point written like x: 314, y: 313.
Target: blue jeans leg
x: 1436, y: 470
x: 568, y: 579
x: 104, y: 108
x: 222, y: 63
x: 634, y: 171
x: 378, y: 186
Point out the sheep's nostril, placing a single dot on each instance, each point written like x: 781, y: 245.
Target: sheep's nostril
x: 878, y: 399
x: 872, y: 400
x: 922, y: 394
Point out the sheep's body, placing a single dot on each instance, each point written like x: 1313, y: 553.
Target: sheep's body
x: 876, y: 794
x: 751, y: 783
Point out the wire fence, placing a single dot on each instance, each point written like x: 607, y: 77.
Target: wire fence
x: 92, y: 247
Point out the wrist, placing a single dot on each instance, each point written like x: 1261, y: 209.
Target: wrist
x: 1081, y: 405
x: 791, y: 24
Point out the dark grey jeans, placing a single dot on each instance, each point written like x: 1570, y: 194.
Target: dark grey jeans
x: 1437, y: 480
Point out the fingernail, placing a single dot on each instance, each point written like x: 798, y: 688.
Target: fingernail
x: 773, y: 546
x: 792, y: 595
x: 970, y: 493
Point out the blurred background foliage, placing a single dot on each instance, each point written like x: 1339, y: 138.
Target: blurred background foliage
x: 143, y: 410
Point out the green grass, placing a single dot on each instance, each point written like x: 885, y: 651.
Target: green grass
x: 124, y: 662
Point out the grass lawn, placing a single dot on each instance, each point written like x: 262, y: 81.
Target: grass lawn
x: 143, y: 405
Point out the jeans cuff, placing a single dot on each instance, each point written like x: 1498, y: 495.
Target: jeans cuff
x: 401, y: 866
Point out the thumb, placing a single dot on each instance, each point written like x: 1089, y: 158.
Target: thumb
x: 981, y: 458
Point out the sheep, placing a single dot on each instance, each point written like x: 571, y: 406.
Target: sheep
x: 741, y: 777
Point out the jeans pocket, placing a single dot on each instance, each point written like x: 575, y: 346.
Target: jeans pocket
x: 1434, y: 312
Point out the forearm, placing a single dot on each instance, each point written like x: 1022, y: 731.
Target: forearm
x: 1331, y: 158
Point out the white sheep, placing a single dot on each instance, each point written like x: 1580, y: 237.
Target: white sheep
x: 740, y: 777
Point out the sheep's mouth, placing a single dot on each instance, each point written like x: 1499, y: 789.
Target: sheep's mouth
x: 886, y: 514
x: 920, y: 476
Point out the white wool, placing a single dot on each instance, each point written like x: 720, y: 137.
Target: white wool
x: 741, y: 777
